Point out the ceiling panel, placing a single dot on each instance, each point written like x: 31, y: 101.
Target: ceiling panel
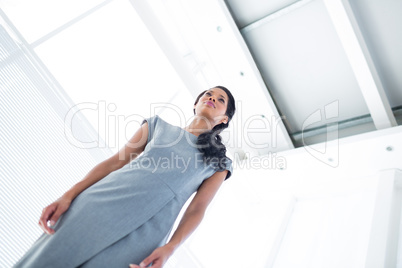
x: 305, y: 67
x: 380, y: 22
x: 247, y: 12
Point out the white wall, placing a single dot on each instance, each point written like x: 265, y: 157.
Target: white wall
x: 313, y: 213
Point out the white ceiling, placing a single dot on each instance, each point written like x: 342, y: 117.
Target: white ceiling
x: 305, y: 65
x: 327, y: 68
x: 297, y: 79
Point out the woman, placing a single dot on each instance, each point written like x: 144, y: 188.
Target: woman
x: 122, y: 212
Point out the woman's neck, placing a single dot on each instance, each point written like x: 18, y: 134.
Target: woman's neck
x: 199, y: 125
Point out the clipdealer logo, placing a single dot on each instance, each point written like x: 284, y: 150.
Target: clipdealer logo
x: 237, y: 133
x: 328, y: 151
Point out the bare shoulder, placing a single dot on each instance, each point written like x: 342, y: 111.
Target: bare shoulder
x: 134, y: 147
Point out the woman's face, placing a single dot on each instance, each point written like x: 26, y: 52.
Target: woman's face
x: 213, y: 105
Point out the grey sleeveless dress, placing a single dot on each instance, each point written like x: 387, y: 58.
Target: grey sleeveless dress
x: 122, y: 218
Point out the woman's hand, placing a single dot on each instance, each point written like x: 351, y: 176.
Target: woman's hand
x: 158, y: 258
x: 52, y: 214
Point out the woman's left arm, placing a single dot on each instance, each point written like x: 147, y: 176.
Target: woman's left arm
x: 189, y: 222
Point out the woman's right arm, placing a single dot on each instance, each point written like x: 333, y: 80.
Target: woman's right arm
x: 131, y: 150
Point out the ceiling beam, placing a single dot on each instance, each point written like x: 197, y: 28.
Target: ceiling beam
x: 361, y: 62
x: 206, y: 48
x: 273, y: 16
x: 243, y: 53
x: 164, y: 41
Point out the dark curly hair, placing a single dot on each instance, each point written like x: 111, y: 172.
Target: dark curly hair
x: 210, y: 142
